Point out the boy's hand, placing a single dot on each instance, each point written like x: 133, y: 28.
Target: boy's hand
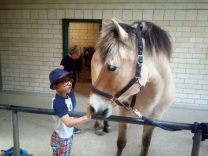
x: 89, y: 114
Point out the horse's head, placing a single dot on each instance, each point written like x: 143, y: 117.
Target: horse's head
x: 117, y: 55
x: 114, y: 65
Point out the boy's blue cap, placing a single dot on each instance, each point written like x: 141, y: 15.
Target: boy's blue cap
x: 57, y: 74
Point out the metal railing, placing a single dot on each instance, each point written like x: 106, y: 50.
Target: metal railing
x: 173, y: 125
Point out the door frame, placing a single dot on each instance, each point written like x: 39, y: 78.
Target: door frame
x: 66, y: 34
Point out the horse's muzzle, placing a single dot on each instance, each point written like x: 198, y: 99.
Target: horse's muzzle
x: 106, y: 113
x: 100, y: 106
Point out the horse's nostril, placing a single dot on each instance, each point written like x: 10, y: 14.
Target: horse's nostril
x: 104, y: 114
x: 92, y: 109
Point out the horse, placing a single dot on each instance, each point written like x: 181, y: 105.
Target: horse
x: 88, y: 53
x: 123, y: 50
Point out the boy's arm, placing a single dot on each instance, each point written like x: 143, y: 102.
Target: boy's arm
x: 74, y: 122
x: 77, y: 121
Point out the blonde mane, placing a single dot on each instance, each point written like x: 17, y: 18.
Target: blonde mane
x: 156, y: 40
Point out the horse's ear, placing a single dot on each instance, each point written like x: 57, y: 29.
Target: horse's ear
x: 122, y: 34
x: 105, y: 25
x: 143, y: 27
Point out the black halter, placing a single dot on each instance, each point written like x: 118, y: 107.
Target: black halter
x: 115, y: 97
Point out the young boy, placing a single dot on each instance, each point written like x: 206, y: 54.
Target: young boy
x: 68, y: 64
x: 62, y: 137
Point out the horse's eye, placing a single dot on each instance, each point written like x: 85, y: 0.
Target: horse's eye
x: 111, y: 68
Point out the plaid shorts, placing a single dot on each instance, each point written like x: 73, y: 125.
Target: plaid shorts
x: 61, y: 147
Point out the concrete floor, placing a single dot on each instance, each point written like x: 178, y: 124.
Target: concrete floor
x: 35, y: 130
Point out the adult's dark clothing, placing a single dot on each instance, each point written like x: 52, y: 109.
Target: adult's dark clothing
x: 69, y: 65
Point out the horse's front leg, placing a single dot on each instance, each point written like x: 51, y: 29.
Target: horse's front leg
x: 146, y: 139
x: 99, y: 128
x: 121, y: 142
x: 107, y: 127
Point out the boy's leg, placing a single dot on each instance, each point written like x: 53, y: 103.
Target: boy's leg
x: 55, y: 143
x: 61, y: 146
x: 67, y: 145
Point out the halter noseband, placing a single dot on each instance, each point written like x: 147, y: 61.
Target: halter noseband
x: 115, y: 97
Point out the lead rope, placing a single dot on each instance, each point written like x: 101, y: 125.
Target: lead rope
x: 151, y: 122
x: 204, y: 126
x: 195, y: 127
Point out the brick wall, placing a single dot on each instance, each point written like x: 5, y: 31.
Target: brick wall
x: 84, y: 34
x: 31, y: 46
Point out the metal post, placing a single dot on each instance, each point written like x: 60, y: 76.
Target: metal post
x: 196, y: 143
x: 15, y: 133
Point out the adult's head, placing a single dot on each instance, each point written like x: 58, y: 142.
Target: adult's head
x: 76, y: 52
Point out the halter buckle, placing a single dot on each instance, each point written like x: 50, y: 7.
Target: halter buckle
x: 113, y: 99
x: 140, y: 60
x: 137, y: 113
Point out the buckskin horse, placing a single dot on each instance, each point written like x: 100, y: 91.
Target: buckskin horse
x: 132, y: 63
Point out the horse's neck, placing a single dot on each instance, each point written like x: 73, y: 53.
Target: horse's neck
x: 158, y: 69
x: 156, y: 93
x: 158, y: 74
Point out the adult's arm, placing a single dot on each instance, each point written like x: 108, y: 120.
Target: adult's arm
x: 61, y: 67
